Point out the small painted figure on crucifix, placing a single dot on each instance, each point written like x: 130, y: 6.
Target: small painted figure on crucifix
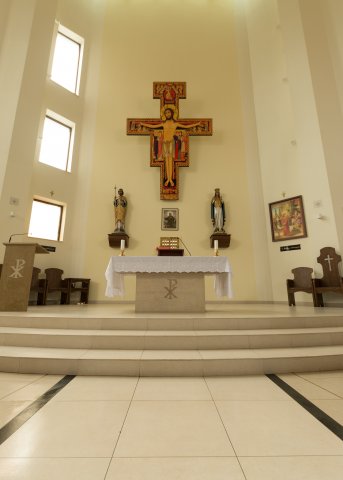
x: 169, y: 142
x: 120, y: 205
x: 217, y: 212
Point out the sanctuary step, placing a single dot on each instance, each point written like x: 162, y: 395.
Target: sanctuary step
x: 170, y: 339
x: 227, y: 340
x: 178, y: 363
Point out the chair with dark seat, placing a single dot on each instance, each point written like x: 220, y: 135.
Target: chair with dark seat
x: 302, y: 282
x: 79, y: 285
x: 55, y: 283
x: 331, y: 280
x: 38, y: 286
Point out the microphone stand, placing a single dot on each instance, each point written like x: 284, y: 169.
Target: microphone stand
x: 15, y: 234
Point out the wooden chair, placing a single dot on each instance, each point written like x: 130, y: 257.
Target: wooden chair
x: 331, y: 280
x: 38, y: 286
x: 302, y: 282
x: 81, y: 285
x: 55, y: 283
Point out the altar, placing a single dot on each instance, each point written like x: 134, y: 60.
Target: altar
x: 169, y: 284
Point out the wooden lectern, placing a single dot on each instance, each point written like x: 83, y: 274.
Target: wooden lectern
x: 16, y: 275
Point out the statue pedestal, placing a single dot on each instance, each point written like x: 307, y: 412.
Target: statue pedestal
x: 223, y: 239
x: 115, y: 238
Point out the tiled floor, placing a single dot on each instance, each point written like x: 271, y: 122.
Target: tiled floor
x: 118, y: 428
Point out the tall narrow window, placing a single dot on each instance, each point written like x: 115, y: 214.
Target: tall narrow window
x: 57, y: 142
x: 67, y: 59
x: 46, y: 220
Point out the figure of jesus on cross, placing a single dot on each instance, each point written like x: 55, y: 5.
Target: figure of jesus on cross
x: 169, y: 146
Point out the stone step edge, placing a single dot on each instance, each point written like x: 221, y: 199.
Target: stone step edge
x: 136, y: 355
x: 175, y: 324
x: 163, y: 333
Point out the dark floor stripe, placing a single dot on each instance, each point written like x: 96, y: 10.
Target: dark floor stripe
x: 13, y: 425
x: 323, y: 417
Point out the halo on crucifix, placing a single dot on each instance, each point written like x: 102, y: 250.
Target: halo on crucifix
x: 169, y: 143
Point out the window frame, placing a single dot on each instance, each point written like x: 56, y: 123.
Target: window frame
x: 62, y: 218
x: 65, y: 122
x: 74, y: 37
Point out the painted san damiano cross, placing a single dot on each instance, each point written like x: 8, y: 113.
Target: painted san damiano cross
x: 169, y: 143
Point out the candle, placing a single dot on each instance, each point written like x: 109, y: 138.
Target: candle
x: 215, y: 244
x: 122, y: 244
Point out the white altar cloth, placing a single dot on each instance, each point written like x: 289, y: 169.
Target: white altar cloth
x: 119, y: 266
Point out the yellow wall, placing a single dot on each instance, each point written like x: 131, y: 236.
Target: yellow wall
x: 268, y: 73
x: 169, y: 41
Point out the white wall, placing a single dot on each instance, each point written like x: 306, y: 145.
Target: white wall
x: 292, y: 158
x: 35, y: 93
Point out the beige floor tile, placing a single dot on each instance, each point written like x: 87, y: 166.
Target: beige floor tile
x: 320, y: 375
x: 333, y: 385
x: 112, y: 354
x: 333, y: 408
x: 175, y: 468
x: 35, y: 389
x: 244, y: 388
x: 171, y: 368
x: 69, y: 429
x: 98, y: 388
x: 11, y: 382
x: 19, y: 377
x: 53, y: 468
x: 111, y: 367
x: 169, y: 429
x: 30, y: 352
x: 172, y: 389
x: 8, y: 410
x: 276, y: 428
x: 171, y: 355
x: 292, y: 468
x: 306, y: 388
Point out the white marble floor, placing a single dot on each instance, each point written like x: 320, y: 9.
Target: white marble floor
x: 109, y: 428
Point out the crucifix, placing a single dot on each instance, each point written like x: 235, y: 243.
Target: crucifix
x: 169, y: 144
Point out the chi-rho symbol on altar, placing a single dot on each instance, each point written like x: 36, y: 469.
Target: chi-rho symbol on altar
x: 169, y: 143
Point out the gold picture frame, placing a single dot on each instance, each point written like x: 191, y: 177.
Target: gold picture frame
x: 287, y: 219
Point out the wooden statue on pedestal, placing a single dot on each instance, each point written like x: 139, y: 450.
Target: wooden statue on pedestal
x: 120, y: 206
x: 218, y: 220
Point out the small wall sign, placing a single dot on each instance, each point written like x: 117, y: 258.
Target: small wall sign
x: 290, y: 247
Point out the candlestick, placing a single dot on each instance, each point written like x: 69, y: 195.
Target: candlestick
x: 215, y: 249
x: 122, y: 248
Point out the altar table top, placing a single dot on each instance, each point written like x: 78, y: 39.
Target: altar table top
x: 119, y: 266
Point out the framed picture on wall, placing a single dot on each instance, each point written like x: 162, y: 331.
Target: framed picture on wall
x: 287, y: 219
x: 170, y: 219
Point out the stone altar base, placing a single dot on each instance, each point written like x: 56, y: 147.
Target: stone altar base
x: 170, y: 292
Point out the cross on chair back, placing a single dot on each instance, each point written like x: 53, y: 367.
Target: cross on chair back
x: 331, y: 280
x: 302, y: 282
